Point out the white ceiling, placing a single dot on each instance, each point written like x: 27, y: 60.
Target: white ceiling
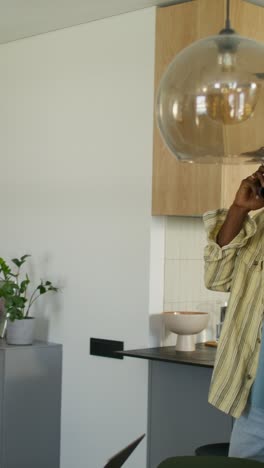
x: 25, y: 18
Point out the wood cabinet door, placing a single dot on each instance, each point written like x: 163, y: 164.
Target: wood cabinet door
x: 191, y: 189
x: 247, y: 20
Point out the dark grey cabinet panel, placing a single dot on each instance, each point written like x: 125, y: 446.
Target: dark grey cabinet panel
x: 30, y: 405
x: 180, y: 417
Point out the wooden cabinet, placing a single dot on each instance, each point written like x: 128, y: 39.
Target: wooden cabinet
x: 191, y: 189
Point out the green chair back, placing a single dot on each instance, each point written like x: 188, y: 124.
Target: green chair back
x: 208, y: 462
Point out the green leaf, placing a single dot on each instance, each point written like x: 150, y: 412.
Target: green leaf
x: 41, y: 289
x: 23, y: 286
x: 4, y: 268
x: 19, y: 301
x: 15, y: 314
x: 17, y: 262
x: 25, y: 256
x: 8, y: 288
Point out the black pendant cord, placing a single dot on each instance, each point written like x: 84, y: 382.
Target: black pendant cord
x: 227, y: 29
x: 227, y: 22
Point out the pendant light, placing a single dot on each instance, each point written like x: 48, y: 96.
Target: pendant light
x: 210, y: 102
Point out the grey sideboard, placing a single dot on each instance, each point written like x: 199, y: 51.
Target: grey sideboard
x: 30, y: 405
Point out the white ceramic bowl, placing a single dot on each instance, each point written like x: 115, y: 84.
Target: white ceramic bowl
x: 185, y: 324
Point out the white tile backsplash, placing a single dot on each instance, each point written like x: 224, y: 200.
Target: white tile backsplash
x: 185, y: 238
x: 184, y: 275
x: 156, y: 280
x: 184, y: 280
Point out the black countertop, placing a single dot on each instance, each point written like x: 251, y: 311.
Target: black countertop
x: 203, y: 356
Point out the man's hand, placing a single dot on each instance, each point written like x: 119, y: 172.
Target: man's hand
x: 247, y: 197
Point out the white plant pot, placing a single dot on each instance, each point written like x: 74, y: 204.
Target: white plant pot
x: 20, y: 332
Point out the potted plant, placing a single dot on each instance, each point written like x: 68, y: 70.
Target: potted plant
x: 16, y: 303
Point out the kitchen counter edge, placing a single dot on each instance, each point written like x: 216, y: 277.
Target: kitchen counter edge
x: 203, y: 356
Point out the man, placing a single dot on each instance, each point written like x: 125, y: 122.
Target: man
x: 234, y: 262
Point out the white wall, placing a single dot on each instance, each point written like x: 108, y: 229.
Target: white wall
x: 76, y: 151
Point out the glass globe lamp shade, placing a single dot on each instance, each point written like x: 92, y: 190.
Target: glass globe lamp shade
x: 210, y: 102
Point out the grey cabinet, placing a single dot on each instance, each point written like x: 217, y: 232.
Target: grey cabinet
x: 180, y: 417
x: 30, y: 405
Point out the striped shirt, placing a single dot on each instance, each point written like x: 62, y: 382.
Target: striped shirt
x: 236, y: 268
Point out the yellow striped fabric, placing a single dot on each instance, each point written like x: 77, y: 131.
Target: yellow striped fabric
x: 236, y: 268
